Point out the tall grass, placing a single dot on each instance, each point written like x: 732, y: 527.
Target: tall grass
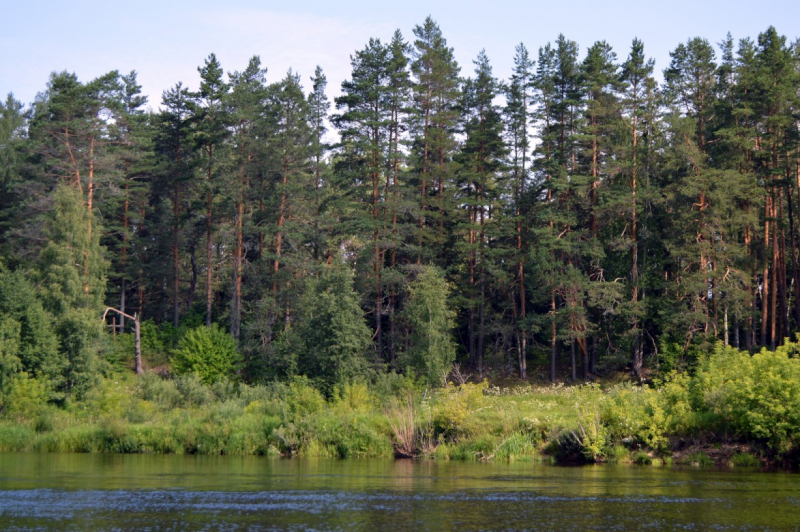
x: 623, y: 422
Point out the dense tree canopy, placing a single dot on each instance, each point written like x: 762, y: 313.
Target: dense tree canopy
x: 577, y: 219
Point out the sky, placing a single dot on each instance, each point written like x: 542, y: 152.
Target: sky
x: 165, y: 41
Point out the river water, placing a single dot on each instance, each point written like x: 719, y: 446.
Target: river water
x: 168, y: 492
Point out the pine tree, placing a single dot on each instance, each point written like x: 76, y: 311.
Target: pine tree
x: 175, y: 148
x: 364, y: 125
x: 244, y: 105
x: 480, y: 162
x: 636, y: 74
x: 319, y: 106
x: 12, y: 138
x: 433, y: 119
x: 518, y: 111
x: 211, y: 135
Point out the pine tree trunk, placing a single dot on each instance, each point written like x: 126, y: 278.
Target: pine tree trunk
x: 553, y: 339
x: 279, y: 235
x: 773, y: 304
x: 209, y: 247
x: 175, y: 261
x: 573, y: 360
x: 636, y: 366
x: 89, y: 199
x: 765, y: 276
x: 123, y: 287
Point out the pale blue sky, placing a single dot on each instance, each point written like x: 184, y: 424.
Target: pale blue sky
x: 166, y: 40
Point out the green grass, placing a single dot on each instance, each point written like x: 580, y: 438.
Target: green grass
x: 744, y: 460
x: 150, y: 414
x: 699, y: 459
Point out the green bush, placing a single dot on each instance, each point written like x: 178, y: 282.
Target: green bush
x: 303, y: 399
x: 193, y: 390
x: 24, y: 398
x: 699, y: 459
x: 744, y: 460
x: 207, y: 351
x: 757, y: 397
x: 156, y: 389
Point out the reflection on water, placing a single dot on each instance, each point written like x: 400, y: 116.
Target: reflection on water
x: 134, y: 492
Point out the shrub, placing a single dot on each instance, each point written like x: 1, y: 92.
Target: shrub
x: 744, y: 460
x: 354, y: 397
x: 24, y: 398
x: 699, y: 459
x: 618, y: 453
x: 454, y: 405
x: 207, y: 351
x: 194, y: 392
x: 642, y: 458
x: 303, y: 399
x: 757, y: 397
x: 158, y: 390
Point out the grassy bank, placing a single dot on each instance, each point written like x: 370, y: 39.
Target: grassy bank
x: 735, y: 409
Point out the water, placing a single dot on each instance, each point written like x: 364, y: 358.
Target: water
x: 145, y: 492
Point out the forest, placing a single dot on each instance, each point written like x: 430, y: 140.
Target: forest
x: 586, y: 218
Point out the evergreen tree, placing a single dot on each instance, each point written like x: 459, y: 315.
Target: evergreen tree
x: 364, y: 125
x: 518, y: 111
x: 333, y: 336
x: 433, y: 120
x: 211, y: 134
x: 636, y: 75
x: 480, y: 161
x: 244, y: 107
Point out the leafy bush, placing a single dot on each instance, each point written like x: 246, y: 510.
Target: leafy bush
x: 699, y: 459
x: 454, y: 405
x: 303, y: 399
x: 207, y: 351
x: 744, y: 460
x: 158, y: 390
x: 24, y: 397
x: 757, y: 397
x: 193, y: 390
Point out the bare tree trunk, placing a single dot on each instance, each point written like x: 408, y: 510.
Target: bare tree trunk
x: 773, y: 305
x: 765, y: 275
x: 553, y: 340
x: 209, y: 230
x: 123, y: 288
x: 175, y: 261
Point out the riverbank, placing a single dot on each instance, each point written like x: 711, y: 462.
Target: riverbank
x: 735, y: 410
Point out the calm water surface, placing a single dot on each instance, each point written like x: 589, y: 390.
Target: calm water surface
x: 143, y: 492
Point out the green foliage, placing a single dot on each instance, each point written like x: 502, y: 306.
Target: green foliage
x: 432, y: 351
x: 154, y: 388
x: 454, y: 406
x: 10, y: 364
x: 591, y: 434
x: 642, y: 458
x: 744, y: 460
x: 209, y: 352
x: 23, y: 397
x: 302, y: 399
x: 585, y: 423
x: 330, y: 326
x: 699, y: 458
x: 29, y: 340
x: 72, y: 263
x: 756, y: 396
